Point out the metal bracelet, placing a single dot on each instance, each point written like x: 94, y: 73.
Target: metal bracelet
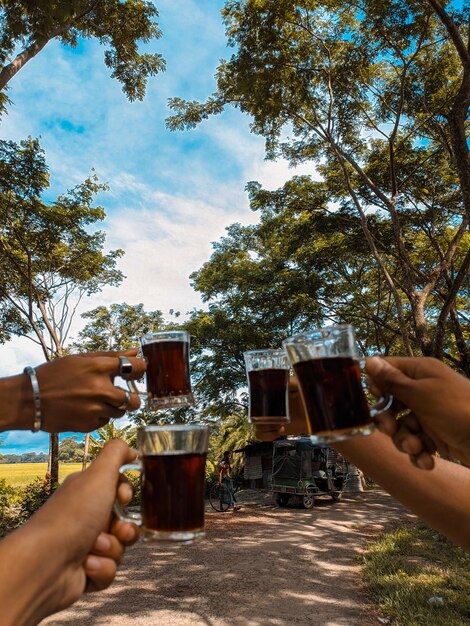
x: 37, y: 424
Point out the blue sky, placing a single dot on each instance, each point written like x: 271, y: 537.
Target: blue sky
x: 170, y: 194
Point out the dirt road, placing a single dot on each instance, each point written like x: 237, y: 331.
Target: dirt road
x: 261, y: 566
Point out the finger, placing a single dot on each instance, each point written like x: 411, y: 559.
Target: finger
x: 100, y: 572
x: 109, y: 364
x: 112, y: 353
x: 125, y: 532
x: 114, y: 454
x: 125, y: 491
x: 121, y: 400
x: 429, y: 445
x: 387, y: 378
x: 407, y: 442
x: 424, y: 461
x: 387, y: 423
x: 109, y: 546
x: 139, y: 367
x: 411, y: 422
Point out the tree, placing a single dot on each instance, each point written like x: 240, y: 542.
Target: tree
x: 301, y: 266
x: 49, y: 257
x: 117, y: 327
x: 376, y: 95
x: 231, y: 433
x: 27, y: 27
x: 108, y: 432
x: 71, y: 450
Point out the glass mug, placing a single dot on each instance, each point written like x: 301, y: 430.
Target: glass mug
x: 327, y: 365
x: 172, y: 463
x: 268, y: 379
x: 167, y: 376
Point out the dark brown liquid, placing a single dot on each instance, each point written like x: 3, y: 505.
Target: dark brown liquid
x: 173, y: 491
x: 167, y: 368
x: 268, y: 390
x: 332, y: 394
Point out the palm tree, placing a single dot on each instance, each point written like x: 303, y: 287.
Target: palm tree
x: 106, y: 433
x: 232, y: 433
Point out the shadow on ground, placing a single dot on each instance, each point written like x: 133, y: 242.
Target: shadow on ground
x: 259, y: 566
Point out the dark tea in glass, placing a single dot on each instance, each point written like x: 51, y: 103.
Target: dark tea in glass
x: 172, y: 465
x: 332, y: 393
x: 327, y: 366
x: 268, y: 379
x: 268, y: 398
x: 168, y: 377
x: 173, y: 492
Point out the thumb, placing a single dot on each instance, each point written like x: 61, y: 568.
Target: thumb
x: 114, y: 454
x: 387, y: 378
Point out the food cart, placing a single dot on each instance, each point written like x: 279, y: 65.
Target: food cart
x: 303, y: 471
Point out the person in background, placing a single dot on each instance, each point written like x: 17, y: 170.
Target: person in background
x: 439, y: 400
x: 225, y: 478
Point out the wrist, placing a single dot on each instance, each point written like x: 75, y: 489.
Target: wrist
x: 28, y: 575
x: 16, y: 395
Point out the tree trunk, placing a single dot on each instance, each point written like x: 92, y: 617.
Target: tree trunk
x: 420, y: 324
x: 85, y: 451
x: 462, y: 345
x: 53, y: 466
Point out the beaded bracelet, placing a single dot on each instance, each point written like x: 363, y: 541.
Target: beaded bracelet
x: 37, y: 424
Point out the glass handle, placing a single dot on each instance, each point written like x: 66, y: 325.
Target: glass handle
x: 386, y: 399
x: 376, y: 409
x: 121, y: 511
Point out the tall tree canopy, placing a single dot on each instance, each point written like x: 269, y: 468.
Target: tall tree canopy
x: 376, y: 96
x: 116, y: 327
x: 50, y: 255
x: 27, y: 26
x: 302, y: 266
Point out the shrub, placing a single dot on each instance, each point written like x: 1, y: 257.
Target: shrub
x: 8, y: 508
x: 134, y: 479
x: 34, y: 495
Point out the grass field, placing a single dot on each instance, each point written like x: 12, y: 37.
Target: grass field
x: 20, y: 474
x: 405, y: 568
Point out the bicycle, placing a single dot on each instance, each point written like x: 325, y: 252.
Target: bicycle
x: 219, y: 498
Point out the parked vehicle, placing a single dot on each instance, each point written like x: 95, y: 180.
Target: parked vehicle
x: 303, y: 471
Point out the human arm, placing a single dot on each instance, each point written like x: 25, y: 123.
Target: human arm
x: 221, y: 472
x: 440, y: 497
x: 77, y: 393
x: 47, y: 564
x: 437, y: 400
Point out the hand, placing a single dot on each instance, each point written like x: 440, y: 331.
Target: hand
x: 78, y: 393
x: 437, y: 402
x: 109, y: 546
x: 69, y: 546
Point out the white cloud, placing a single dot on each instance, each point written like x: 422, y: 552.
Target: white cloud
x: 171, y: 194
x: 164, y: 244
x: 18, y: 441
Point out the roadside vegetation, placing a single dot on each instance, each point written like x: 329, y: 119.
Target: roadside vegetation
x: 416, y: 577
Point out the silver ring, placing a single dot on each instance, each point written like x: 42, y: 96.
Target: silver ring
x: 123, y: 406
x: 125, y: 367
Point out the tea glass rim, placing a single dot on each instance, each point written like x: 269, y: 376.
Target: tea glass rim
x: 160, y: 333
x: 174, y: 427
x: 280, y: 351
x: 307, y: 335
